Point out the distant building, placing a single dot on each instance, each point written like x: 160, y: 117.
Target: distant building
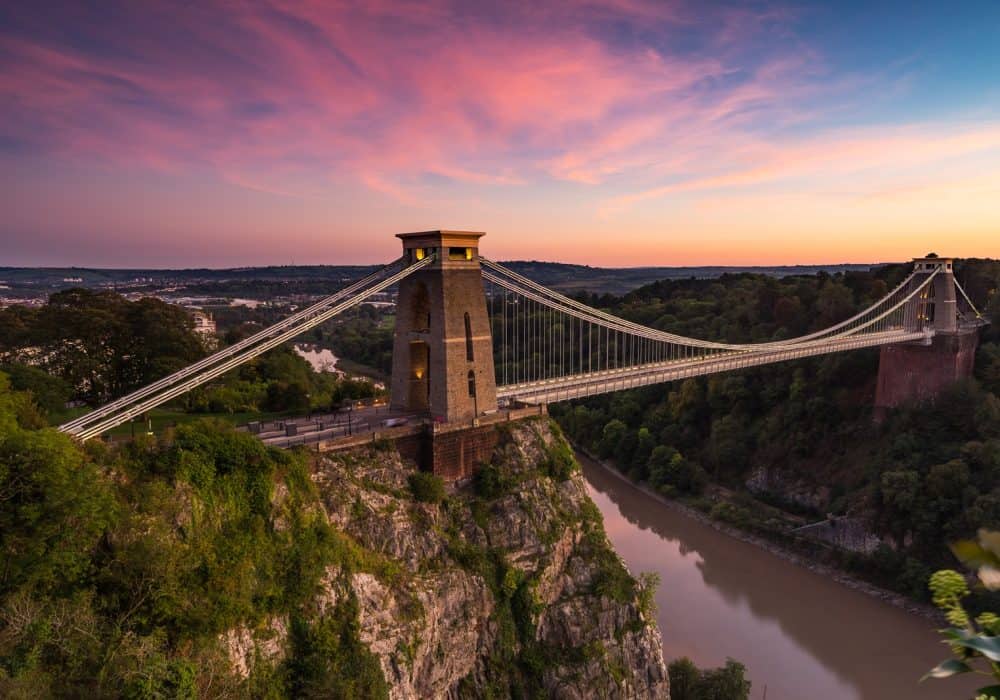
x: 204, y: 324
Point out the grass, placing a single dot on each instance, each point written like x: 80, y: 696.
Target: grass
x: 163, y: 418
x: 66, y: 415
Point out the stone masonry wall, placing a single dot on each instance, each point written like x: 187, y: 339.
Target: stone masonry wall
x: 910, y: 373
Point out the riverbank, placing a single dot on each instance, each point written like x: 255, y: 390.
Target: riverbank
x: 836, y: 574
x: 799, y: 631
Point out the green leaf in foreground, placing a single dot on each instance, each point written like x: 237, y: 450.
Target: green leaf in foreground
x: 949, y: 667
x: 987, y: 646
x: 990, y: 692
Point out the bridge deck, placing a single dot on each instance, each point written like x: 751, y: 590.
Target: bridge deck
x: 592, y: 383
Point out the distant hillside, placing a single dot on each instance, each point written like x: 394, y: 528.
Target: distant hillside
x: 619, y: 280
x: 61, y: 277
x: 267, y: 281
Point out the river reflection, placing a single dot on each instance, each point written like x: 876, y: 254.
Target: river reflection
x: 800, y: 635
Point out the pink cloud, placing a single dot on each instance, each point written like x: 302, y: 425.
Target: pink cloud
x: 385, y: 93
x: 834, y: 154
x: 429, y: 105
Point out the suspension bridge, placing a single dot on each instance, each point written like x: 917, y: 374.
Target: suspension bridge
x: 473, y: 337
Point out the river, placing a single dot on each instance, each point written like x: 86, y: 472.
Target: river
x: 801, y: 635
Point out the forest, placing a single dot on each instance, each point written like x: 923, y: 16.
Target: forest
x: 797, y: 436
x: 90, y: 347
x: 925, y: 476
x: 122, y: 566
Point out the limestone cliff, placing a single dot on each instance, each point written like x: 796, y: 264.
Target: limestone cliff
x: 504, y: 587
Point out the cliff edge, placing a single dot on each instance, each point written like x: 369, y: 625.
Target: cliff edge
x: 504, y: 586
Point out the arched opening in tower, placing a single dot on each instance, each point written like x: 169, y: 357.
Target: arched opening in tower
x: 420, y: 308
x: 418, y: 398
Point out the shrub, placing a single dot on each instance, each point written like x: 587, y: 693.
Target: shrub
x: 559, y: 463
x: 731, y: 513
x: 329, y: 659
x: 688, y: 682
x: 684, y: 677
x: 490, y: 482
x: 426, y: 487
x: 649, y: 581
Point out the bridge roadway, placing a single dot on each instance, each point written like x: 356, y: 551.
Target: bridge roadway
x: 591, y: 383
x: 306, y: 430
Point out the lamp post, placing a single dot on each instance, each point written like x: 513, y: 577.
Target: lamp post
x: 349, y: 405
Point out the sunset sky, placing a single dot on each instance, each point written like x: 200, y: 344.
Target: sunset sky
x: 614, y: 132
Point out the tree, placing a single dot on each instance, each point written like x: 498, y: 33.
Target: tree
x: 788, y: 315
x: 988, y: 367
x: 684, y: 679
x: 645, y: 442
x: 728, y: 443
x: 102, y: 345
x: 897, y: 502
x: 725, y: 683
x: 287, y: 397
x: 668, y: 468
x: 659, y: 465
x: 49, y: 392
x: 688, y: 682
x: 613, y: 433
x: 55, y: 502
x: 835, y: 303
x: 688, y: 404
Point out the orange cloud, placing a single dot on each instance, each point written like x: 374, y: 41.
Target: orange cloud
x: 824, y: 156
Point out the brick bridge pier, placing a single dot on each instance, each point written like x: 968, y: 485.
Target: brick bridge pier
x: 916, y: 372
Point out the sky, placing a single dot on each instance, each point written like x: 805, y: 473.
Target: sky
x: 611, y: 132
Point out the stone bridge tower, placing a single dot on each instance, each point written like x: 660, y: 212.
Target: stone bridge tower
x: 442, y: 358
x: 912, y: 372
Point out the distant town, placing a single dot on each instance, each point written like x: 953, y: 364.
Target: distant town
x: 289, y: 285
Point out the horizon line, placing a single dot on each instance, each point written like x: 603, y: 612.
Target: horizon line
x: 506, y: 262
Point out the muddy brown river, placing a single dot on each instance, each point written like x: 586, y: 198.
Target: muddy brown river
x: 801, y: 635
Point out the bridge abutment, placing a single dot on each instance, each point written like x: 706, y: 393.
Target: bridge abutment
x: 911, y: 373
x: 452, y: 451
x: 915, y: 372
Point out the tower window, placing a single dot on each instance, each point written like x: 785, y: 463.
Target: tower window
x: 472, y: 383
x: 460, y: 253
x: 469, y: 354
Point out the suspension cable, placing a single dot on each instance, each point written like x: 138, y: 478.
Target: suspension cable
x: 614, y: 323
x: 226, y: 352
x: 967, y: 299
x: 132, y: 410
x: 664, y: 335
x: 613, y: 357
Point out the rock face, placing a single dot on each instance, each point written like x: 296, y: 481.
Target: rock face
x: 788, y: 486
x: 506, y: 588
